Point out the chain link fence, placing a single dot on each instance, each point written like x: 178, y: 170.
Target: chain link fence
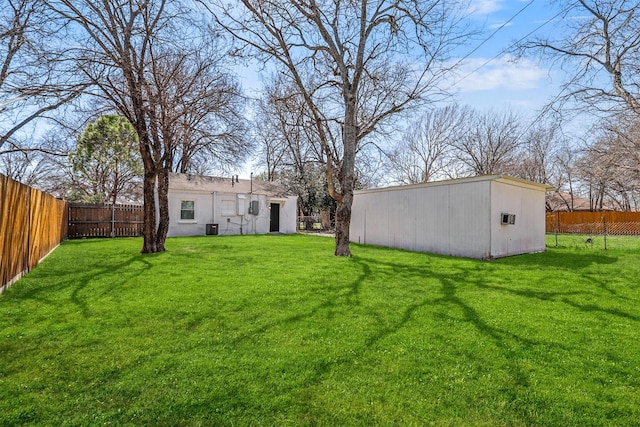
x: 604, y: 230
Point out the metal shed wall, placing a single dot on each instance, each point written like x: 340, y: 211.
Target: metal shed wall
x: 528, y: 233
x: 450, y: 218
x: 457, y: 217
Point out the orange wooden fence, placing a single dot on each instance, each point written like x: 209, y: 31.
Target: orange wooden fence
x: 32, y: 224
x: 617, y: 223
x: 86, y: 220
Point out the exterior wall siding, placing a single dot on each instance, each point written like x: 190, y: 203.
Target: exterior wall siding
x: 209, y: 210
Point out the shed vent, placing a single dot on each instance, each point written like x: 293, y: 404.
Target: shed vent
x: 507, y: 219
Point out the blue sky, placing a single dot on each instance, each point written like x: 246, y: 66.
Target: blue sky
x: 491, y: 78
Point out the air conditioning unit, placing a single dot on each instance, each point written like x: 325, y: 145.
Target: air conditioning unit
x: 212, y: 230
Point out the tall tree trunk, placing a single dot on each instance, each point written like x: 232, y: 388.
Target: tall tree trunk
x: 149, y: 185
x: 149, y: 236
x: 343, y: 222
x: 163, y: 208
x: 346, y: 177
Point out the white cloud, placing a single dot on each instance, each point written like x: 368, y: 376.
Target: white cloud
x: 485, y: 7
x: 498, y: 74
x: 500, y: 24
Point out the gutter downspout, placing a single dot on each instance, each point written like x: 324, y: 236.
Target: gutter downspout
x: 213, y: 208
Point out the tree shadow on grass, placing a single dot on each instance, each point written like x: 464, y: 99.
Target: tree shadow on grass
x: 47, y: 286
x: 390, y: 324
x: 551, y: 259
x: 347, y: 295
x: 592, y: 308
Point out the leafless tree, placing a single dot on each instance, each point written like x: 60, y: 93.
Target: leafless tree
x: 596, y: 38
x: 356, y: 64
x: 490, y: 143
x: 283, y: 129
x: 200, y: 107
x: 566, y: 180
x: 608, y: 167
x: 34, y: 76
x: 289, y: 145
x: 537, y: 158
x: 426, y: 151
x: 141, y: 58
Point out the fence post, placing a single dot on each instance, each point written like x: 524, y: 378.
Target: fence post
x: 557, y: 226
x: 113, y: 220
x: 604, y: 231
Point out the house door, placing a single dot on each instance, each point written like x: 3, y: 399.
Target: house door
x: 274, y: 226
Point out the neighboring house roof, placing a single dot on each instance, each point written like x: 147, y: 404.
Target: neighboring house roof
x: 561, y: 201
x: 501, y: 178
x: 187, y: 182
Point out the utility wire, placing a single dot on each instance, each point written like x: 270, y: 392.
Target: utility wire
x: 503, y: 51
x: 494, y: 32
x: 506, y: 49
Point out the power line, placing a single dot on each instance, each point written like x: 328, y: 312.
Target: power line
x: 495, y: 32
x: 503, y: 51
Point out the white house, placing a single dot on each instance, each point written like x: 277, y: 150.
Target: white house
x: 482, y: 217
x: 200, y: 205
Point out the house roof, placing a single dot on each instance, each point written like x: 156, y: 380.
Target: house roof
x: 561, y: 201
x: 187, y: 182
x: 500, y: 178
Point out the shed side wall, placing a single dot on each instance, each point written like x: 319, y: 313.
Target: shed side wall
x: 528, y: 233
x: 446, y: 219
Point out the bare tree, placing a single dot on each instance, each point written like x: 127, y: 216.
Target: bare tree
x: 608, y: 167
x: 599, y: 37
x: 34, y: 78
x: 284, y: 130
x: 425, y: 153
x: 490, y: 143
x: 19, y: 166
x: 537, y: 158
x: 355, y: 64
x: 114, y: 49
x: 200, y: 107
x: 290, y: 147
x: 566, y: 176
x: 141, y: 58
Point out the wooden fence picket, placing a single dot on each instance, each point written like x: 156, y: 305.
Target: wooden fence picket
x: 90, y: 220
x: 32, y: 224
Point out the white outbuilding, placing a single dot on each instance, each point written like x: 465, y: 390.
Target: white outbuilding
x: 201, y: 205
x: 482, y: 217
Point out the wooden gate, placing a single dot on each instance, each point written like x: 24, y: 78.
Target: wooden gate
x: 87, y: 220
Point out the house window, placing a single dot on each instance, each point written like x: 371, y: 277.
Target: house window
x: 187, y: 209
x: 228, y: 208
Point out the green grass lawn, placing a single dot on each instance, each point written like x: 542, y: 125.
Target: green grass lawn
x: 276, y: 331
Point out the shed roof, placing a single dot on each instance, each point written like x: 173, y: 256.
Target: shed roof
x: 500, y: 178
x: 209, y: 184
